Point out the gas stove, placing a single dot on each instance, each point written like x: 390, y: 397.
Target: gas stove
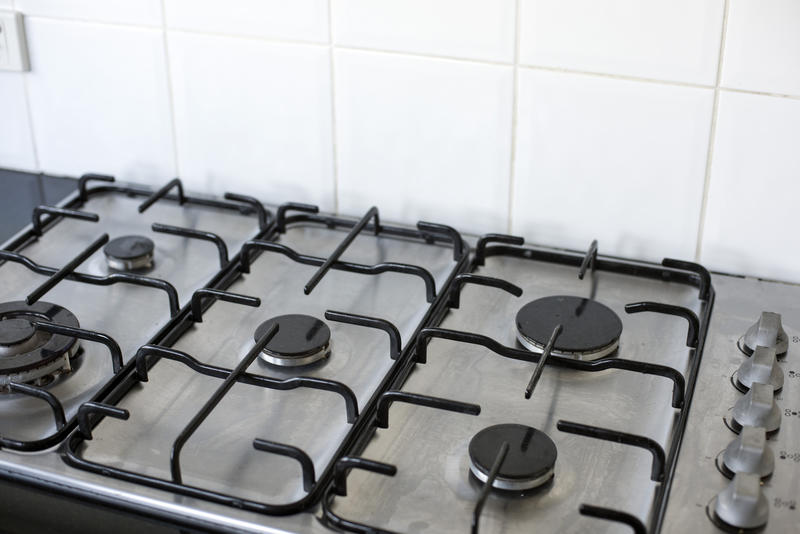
x: 221, y: 365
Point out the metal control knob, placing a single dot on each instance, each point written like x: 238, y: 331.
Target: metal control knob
x: 749, y: 453
x: 757, y: 408
x: 767, y: 332
x: 762, y: 367
x: 741, y: 505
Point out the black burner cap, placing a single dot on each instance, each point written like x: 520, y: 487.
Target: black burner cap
x: 129, y: 247
x: 15, y: 331
x: 298, y: 335
x: 531, y: 454
x: 588, y: 325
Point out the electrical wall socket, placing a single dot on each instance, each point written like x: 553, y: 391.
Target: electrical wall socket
x: 13, y: 51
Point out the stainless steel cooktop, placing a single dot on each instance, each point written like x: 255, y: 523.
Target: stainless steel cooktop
x: 249, y: 369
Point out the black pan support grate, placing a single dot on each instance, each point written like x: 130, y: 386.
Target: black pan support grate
x: 663, y: 463
x: 375, y: 413
x: 314, y: 484
x: 44, y: 218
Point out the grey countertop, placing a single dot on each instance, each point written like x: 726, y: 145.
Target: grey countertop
x: 20, y: 192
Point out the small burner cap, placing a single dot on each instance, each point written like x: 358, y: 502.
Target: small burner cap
x: 15, y: 331
x: 300, y: 340
x: 129, y: 252
x: 591, y: 330
x: 530, y: 461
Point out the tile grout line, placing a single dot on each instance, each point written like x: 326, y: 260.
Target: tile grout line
x: 711, y: 138
x: 29, y: 114
x: 249, y: 37
x: 426, y: 55
x: 177, y: 29
x: 612, y: 76
x: 170, y: 95
x: 334, y: 144
x: 758, y: 93
x: 298, y: 42
x: 28, y: 109
x: 514, y: 104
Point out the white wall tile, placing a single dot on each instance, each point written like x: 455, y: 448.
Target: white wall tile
x: 303, y: 20
x: 423, y: 138
x: 16, y: 146
x: 676, y: 40
x: 478, y: 29
x: 146, y: 12
x: 616, y: 160
x: 6, y: 4
x: 99, y: 100
x: 258, y: 122
x: 751, y: 217
x: 762, y: 46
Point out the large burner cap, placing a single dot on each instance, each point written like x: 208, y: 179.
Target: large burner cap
x: 301, y: 340
x: 530, y: 461
x: 591, y: 330
x: 129, y: 252
x: 27, y: 355
x: 15, y: 331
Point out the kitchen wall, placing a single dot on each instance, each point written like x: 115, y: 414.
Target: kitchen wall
x: 661, y: 128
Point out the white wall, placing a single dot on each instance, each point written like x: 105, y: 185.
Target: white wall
x: 660, y: 127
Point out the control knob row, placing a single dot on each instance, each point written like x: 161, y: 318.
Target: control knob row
x: 742, y: 505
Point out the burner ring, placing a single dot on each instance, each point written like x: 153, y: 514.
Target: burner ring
x: 129, y: 253
x: 530, y: 461
x: 591, y: 329
x: 301, y: 340
x: 25, y: 353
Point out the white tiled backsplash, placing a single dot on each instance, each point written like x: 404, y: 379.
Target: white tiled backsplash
x: 659, y: 127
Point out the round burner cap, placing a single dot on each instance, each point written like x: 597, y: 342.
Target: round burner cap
x: 129, y: 252
x: 530, y: 461
x: 15, y: 331
x: 300, y: 340
x: 27, y: 354
x: 591, y: 330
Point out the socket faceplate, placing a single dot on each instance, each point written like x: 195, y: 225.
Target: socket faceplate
x: 13, y: 50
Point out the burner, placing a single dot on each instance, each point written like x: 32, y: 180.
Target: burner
x: 591, y: 330
x: 31, y: 356
x: 530, y: 461
x: 301, y: 340
x: 129, y: 253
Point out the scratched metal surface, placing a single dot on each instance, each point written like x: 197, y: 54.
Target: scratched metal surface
x: 129, y: 314
x: 310, y: 419
x: 220, y: 455
x: 433, y: 492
